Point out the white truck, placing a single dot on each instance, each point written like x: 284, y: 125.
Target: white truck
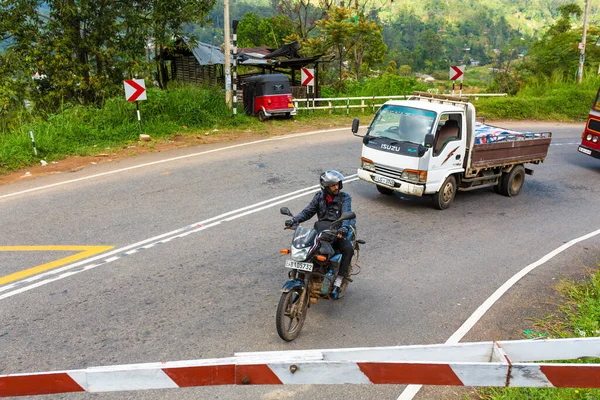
x: 431, y: 145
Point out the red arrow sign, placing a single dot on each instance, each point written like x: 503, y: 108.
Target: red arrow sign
x: 458, y: 73
x: 307, y: 77
x: 135, y: 89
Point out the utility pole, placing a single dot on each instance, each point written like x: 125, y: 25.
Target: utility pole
x: 582, y: 44
x: 227, y: 56
x: 234, y: 26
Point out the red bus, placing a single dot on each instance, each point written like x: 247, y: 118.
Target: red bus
x: 590, y: 138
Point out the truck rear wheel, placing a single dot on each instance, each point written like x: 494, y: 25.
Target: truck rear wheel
x: 384, y: 190
x: 512, y: 182
x: 443, y: 198
x: 261, y: 116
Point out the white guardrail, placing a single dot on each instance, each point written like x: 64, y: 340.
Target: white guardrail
x: 372, y: 102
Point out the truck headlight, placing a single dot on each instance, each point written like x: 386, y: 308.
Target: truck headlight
x: 595, y: 139
x: 367, y: 164
x: 414, y: 175
x: 589, y: 136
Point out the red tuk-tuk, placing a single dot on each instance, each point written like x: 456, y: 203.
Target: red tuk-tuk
x: 267, y: 96
x: 590, y: 138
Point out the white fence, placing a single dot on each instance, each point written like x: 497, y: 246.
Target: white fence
x: 368, y: 102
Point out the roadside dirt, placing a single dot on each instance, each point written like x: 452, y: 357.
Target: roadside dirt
x: 179, y: 140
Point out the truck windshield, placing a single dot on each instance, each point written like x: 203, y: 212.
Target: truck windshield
x: 402, y: 124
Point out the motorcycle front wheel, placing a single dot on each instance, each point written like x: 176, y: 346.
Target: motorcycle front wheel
x: 291, y: 314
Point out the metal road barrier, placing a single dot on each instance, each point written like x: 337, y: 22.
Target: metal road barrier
x: 368, y: 102
x: 503, y: 363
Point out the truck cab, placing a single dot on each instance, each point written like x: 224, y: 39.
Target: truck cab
x: 413, y: 146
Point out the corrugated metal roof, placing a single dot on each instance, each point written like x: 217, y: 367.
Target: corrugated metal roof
x: 207, y: 54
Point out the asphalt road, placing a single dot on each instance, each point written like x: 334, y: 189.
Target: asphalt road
x: 212, y: 290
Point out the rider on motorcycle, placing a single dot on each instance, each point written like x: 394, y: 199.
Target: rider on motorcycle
x: 329, y: 204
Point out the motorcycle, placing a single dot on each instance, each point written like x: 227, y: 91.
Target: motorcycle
x: 314, y: 267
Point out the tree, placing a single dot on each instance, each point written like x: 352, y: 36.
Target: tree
x: 304, y: 14
x: 367, y: 43
x: 432, y: 45
x: 392, y: 68
x: 405, y: 70
x: 249, y: 34
x: 556, y: 51
x: 87, y: 47
x: 337, y: 32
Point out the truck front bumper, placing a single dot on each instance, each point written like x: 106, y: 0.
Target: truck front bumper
x: 399, y: 186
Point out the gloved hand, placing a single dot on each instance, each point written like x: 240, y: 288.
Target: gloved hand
x: 343, y: 232
x: 290, y: 222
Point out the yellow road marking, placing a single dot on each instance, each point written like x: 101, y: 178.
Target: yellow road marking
x: 84, y: 251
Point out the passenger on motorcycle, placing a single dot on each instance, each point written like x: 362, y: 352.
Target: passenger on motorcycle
x: 329, y: 204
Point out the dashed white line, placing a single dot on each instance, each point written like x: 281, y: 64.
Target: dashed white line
x: 69, y: 270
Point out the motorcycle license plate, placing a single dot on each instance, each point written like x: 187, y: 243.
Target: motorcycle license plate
x: 299, y: 265
x: 585, y: 151
x: 385, y: 181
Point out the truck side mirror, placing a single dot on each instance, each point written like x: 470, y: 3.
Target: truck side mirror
x: 355, y: 124
x: 429, y: 140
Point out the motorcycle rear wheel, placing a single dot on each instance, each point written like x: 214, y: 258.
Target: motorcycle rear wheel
x: 291, y: 314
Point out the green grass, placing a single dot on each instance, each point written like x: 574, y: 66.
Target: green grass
x: 89, y: 130
x: 580, y: 317
x: 543, y: 99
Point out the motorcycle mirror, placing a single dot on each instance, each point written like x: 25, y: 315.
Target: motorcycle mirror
x: 286, y: 211
x: 348, y: 215
x: 345, y: 216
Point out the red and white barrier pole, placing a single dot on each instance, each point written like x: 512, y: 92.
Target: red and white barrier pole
x: 464, y: 364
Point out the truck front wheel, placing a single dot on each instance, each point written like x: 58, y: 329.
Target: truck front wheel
x: 443, y: 198
x: 512, y: 182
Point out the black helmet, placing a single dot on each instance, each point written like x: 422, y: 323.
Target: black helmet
x: 330, y: 178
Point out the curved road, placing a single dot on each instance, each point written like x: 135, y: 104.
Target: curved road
x: 195, y: 270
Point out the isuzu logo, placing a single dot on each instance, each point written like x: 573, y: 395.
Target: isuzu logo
x: 388, y: 147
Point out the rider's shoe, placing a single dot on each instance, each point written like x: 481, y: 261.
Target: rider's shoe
x: 335, y: 293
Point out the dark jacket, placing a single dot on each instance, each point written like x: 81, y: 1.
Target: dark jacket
x: 327, y: 211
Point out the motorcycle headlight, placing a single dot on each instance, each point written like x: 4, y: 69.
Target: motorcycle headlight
x: 367, y: 164
x: 300, y: 254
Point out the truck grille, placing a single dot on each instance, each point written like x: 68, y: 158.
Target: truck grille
x: 390, y: 172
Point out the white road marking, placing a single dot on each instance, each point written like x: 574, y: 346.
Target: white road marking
x: 85, y: 265
x: 412, y: 390
x: 283, y: 137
